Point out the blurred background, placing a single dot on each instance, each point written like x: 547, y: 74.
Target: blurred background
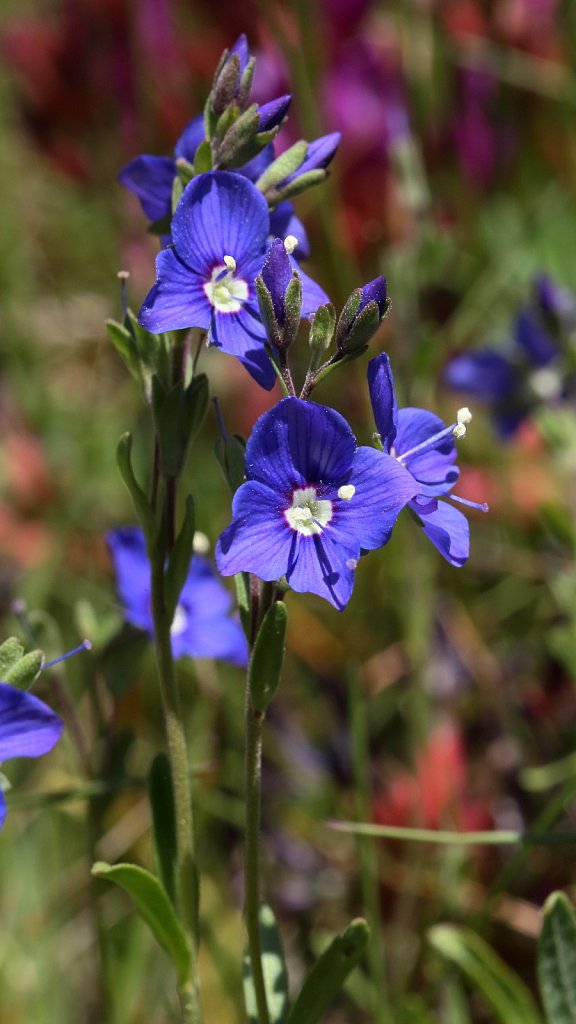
x: 456, y: 179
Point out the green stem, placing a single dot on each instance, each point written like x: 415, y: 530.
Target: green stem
x: 253, y: 798
x: 381, y: 1009
x: 178, y: 755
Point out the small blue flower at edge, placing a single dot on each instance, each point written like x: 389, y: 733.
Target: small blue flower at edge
x: 203, y: 626
x: 312, y: 502
x: 423, y: 443
x: 28, y: 728
x: 220, y: 233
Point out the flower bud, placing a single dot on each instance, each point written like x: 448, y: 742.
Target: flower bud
x: 361, y: 316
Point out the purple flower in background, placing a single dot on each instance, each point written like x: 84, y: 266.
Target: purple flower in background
x: 220, y: 233
x: 203, y: 626
x: 312, y: 502
x: 512, y: 383
x: 28, y: 728
x: 423, y: 443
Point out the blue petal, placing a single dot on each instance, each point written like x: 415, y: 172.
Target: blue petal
x: 283, y: 222
x: 383, y: 398
x: 277, y: 274
x: 297, y: 444
x: 150, y: 178
x: 534, y: 340
x: 242, y: 335
x: 190, y: 139
x: 28, y: 728
x: 434, y: 469
x: 241, y: 48
x: 449, y: 532
x: 177, y: 299
x: 383, y: 488
x: 485, y: 374
x: 203, y: 593
x: 220, y: 214
x: 132, y: 569
x: 318, y: 566
x: 259, y: 537
x: 272, y: 113
x: 210, y: 631
x: 374, y: 291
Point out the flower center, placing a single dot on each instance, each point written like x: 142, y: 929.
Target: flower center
x: 179, y: 622
x: 224, y: 291
x: 308, y: 514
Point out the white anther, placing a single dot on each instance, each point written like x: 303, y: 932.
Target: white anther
x: 290, y: 243
x: 201, y: 543
x: 346, y: 492
x: 123, y: 275
x: 230, y: 263
x: 351, y: 564
x: 459, y: 431
x: 464, y: 415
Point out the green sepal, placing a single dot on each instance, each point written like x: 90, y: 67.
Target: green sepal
x: 267, y: 656
x: 231, y: 454
x: 284, y: 165
x: 210, y: 120
x: 329, y: 974
x: 142, y: 507
x: 243, y: 141
x: 274, y: 970
x: 143, y: 352
x: 203, y: 158
x: 185, y: 170
x: 508, y: 996
x: 161, y: 795
x: 557, y: 960
x: 154, y: 907
x: 322, y: 324
x: 178, y: 412
x: 246, y: 83
x: 11, y: 651
x: 267, y: 312
x: 226, y: 83
x: 177, y: 190
x: 362, y: 330
x: 347, y: 316
x: 180, y: 558
x: 299, y: 185
x: 24, y: 671
x: 293, y: 309
x: 242, y: 582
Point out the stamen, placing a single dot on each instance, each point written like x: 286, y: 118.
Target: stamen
x: 481, y: 506
x: 346, y: 492
x: 84, y: 646
x: 123, y: 276
x: 431, y: 442
x: 201, y: 544
x: 351, y: 564
x: 230, y: 263
x: 290, y: 243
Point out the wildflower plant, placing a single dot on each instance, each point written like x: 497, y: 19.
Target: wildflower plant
x: 309, y: 501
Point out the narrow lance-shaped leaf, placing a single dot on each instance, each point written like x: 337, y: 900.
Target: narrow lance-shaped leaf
x: 557, y: 960
x: 267, y: 657
x: 154, y: 908
x: 180, y: 558
x: 329, y: 974
x: 508, y: 996
x: 274, y: 969
x: 141, y: 505
x: 161, y: 793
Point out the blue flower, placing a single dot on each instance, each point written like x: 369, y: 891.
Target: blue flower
x: 202, y: 626
x: 423, y: 443
x: 220, y: 233
x: 512, y: 383
x: 312, y: 502
x: 28, y: 728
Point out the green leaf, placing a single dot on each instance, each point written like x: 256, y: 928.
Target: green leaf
x: 178, y: 414
x: 329, y: 974
x: 10, y: 652
x: 24, y: 671
x: 141, y: 505
x: 557, y: 960
x: 180, y: 558
x: 123, y: 341
x: 508, y: 996
x: 274, y: 969
x: 267, y: 657
x: 161, y: 793
x: 154, y: 908
x: 230, y: 452
x: 242, y: 581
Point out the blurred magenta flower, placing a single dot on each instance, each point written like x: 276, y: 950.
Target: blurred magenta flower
x: 203, y: 626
